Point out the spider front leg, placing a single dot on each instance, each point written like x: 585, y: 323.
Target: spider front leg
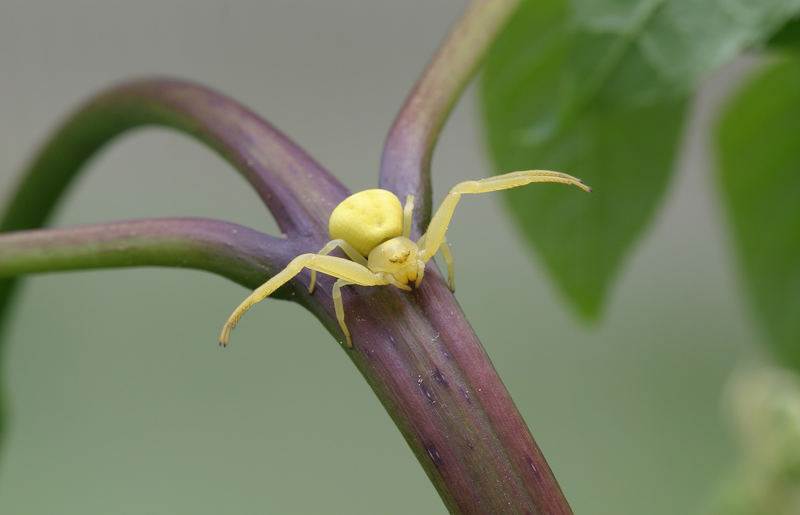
x: 448, y: 259
x: 431, y: 241
x: 349, y: 271
x: 328, y: 248
x: 408, y: 212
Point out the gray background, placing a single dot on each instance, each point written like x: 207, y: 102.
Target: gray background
x: 121, y: 401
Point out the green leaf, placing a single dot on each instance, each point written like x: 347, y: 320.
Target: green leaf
x: 758, y: 149
x: 535, y: 119
x: 598, y: 89
x: 787, y: 37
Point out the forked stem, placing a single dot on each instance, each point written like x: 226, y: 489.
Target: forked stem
x: 415, y: 349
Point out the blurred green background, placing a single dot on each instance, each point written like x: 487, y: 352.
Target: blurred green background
x: 120, y: 400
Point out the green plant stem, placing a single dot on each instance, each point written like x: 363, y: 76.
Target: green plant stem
x: 405, y: 164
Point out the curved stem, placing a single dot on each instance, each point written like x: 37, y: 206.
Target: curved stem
x: 298, y: 191
x: 241, y: 254
x: 405, y: 164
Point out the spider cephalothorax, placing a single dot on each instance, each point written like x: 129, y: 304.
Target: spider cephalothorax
x: 373, y: 229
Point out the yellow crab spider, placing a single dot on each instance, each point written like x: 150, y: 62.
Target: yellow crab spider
x: 373, y: 230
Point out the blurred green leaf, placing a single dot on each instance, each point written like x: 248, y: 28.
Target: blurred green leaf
x: 598, y: 89
x: 787, y: 37
x: 758, y: 147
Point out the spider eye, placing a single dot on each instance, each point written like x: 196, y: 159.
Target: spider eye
x: 400, y: 257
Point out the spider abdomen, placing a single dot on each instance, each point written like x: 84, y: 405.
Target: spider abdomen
x: 366, y: 219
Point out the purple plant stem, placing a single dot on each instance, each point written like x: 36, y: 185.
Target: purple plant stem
x: 518, y: 465
x: 425, y: 363
x: 415, y: 349
x: 278, y: 170
x: 298, y: 191
x: 405, y: 164
x: 239, y: 253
